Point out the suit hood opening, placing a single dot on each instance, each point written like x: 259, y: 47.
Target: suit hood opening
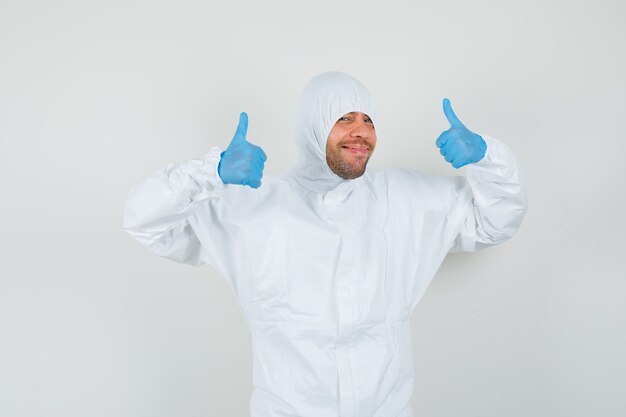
x: 323, y: 101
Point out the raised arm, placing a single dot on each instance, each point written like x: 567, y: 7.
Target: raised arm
x: 159, y: 212
x: 158, y: 209
x: 490, y: 202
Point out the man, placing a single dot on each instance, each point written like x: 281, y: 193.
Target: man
x: 328, y: 261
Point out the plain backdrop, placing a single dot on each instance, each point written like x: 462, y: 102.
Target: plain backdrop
x: 97, y: 95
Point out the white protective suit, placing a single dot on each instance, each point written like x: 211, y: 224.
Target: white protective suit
x: 327, y: 270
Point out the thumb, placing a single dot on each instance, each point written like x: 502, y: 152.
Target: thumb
x: 452, y: 119
x: 242, y: 129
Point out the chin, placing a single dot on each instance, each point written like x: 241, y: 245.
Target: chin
x: 347, y: 169
x: 351, y: 174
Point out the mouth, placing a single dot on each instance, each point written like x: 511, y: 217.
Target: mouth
x: 359, y: 150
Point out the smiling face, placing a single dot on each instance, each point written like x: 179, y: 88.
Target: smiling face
x: 350, y: 144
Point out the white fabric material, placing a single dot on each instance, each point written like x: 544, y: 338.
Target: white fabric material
x: 326, y: 270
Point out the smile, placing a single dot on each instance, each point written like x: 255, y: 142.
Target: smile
x: 357, y: 149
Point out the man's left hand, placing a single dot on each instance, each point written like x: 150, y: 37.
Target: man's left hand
x: 459, y: 145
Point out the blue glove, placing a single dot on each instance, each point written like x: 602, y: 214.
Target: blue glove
x: 459, y: 145
x: 242, y: 162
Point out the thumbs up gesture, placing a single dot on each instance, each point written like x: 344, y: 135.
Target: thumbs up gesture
x: 459, y: 145
x: 242, y: 162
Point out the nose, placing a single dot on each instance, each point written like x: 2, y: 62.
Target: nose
x: 360, y: 129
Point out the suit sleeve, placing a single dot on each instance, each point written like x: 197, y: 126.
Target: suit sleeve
x: 159, y: 211
x: 491, y: 200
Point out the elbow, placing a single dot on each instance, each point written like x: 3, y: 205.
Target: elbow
x: 135, y: 224
x: 504, y: 227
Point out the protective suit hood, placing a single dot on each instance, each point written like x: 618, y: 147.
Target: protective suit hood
x: 323, y: 101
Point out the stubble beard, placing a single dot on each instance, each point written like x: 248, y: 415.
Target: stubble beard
x: 344, y: 168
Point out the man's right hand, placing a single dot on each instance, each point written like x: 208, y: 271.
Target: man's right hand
x: 242, y: 163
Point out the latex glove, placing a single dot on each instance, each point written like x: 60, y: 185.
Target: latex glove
x: 459, y: 145
x: 242, y: 163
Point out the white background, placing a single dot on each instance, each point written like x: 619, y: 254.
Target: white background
x: 95, y: 96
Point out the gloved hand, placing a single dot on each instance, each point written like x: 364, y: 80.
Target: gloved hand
x: 242, y: 162
x: 459, y: 145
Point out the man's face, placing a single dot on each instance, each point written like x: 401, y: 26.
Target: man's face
x: 350, y: 144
